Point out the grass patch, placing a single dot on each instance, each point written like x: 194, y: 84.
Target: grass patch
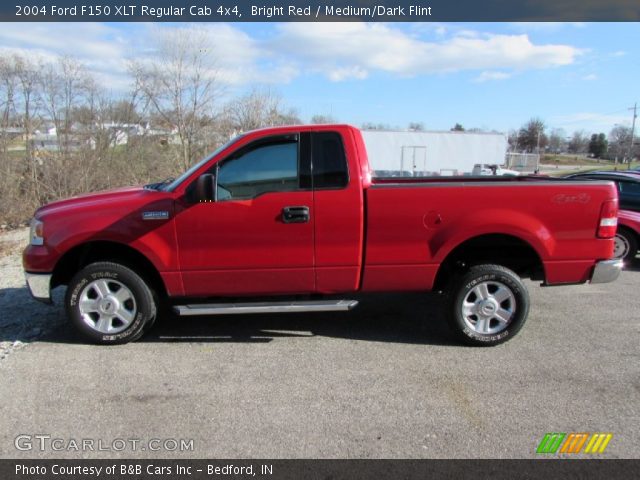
x: 594, y: 168
x: 566, y: 159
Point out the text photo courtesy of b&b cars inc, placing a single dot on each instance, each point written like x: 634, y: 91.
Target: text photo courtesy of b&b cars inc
x: 317, y: 240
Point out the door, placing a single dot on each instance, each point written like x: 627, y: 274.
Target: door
x: 256, y: 238
x: 339, y: 214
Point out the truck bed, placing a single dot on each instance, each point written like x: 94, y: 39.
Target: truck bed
x: 426, y: 218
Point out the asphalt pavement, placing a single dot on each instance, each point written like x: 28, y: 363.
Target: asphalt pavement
x: 384, y: 381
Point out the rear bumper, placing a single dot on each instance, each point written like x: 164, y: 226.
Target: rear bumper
x: 39, y: 285
x: 606, y: 271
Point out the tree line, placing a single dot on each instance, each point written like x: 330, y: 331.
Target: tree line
x: 62, y: 134
x: 534, y: 137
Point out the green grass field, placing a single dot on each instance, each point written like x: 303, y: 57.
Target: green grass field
x: 600, y: 167
x: 572, y: 160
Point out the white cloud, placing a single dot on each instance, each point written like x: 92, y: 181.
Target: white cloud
x: 544, y: 26
x: 106, y: 50
x: 337, y: 47
x: 96, y: 45
x: 619, y: 53
x: 590, y: 77
x: 339, y: 51
x: 340, y: 74
x: 488, y: 76
x: 240, y: 59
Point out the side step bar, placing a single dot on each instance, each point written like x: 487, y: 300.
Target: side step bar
x: 266, y: 307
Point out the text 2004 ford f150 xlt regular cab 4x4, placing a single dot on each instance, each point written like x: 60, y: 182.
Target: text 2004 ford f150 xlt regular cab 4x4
x: 289, y: 219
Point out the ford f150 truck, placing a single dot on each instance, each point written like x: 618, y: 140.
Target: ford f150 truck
x: 289, y: 219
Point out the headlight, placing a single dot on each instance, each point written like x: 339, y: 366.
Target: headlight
x: 36, y: 235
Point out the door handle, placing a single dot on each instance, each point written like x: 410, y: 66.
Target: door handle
x: 295, y: 214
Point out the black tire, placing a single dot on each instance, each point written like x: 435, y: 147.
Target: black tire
x: 125, y: 311
x: 626, y: 244
x: 485, y: 328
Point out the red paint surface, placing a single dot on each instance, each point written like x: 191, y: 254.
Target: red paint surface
x: 372, y: 235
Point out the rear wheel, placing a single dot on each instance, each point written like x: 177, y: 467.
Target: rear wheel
x: 109, y: 303
x: 489, y: 305
x: 625, y: 246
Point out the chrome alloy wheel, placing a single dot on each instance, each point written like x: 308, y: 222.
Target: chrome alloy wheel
x: 489, y: 307
x: 107, y: 306
x: 620, y: 246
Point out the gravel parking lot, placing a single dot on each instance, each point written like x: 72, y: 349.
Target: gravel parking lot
x: 384, y: 381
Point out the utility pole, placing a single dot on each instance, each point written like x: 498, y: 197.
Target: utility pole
x: 633, y: 131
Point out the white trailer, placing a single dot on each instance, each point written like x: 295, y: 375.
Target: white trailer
x: 420, y: 154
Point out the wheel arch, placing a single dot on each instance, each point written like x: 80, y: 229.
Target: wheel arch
x: 507, y: 250
x: 631, y: 230
x: 86, y: 253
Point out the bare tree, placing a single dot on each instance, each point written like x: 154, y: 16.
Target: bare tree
x: 7, y: 100
x: 557, y: 140
x: 375, y: 126
x: 531, y: 136
x: 259, y: 108
x: 579, y: 142
x: 28, y: 78
x: 179, y: 82
x: 319, y: 119
x: 619, y: 141
x: 65, y: 86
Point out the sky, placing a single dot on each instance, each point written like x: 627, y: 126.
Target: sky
x: 495, y: 76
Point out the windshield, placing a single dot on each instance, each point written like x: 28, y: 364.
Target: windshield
x: 174, y: 184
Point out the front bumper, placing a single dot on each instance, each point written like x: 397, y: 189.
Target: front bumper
x: 39, y: 285
x: 606, y: 271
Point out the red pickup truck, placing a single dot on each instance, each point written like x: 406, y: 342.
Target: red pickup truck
x: 289, y: 219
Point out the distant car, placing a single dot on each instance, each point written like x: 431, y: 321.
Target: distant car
x: 627, y: 236
x: 492, y: 169
x: 628, y: 186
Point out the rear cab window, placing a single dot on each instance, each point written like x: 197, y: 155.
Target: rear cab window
x: 328, y: 160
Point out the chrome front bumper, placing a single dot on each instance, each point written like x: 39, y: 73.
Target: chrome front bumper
x: 40, y: 286
x: 606, y: 271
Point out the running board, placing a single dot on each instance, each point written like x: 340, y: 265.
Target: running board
x: 266, y: 307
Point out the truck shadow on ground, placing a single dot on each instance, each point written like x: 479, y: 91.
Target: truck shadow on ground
x: 401, y: 318
x: 397, y: 318
x: 633, y: 265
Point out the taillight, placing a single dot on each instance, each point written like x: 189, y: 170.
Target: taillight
x: 608, y: 219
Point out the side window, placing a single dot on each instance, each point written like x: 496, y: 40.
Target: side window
x: 271, y: 167
x: 629, y: 188
x: 329, y: 161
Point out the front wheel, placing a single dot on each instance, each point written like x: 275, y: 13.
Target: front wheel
x: 489, y: 305
x: 109, y: 303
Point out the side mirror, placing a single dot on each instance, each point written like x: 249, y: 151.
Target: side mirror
x: 205, y: 188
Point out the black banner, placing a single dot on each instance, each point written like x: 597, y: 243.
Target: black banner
x: 319, y: 10
x: 319, y: 469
